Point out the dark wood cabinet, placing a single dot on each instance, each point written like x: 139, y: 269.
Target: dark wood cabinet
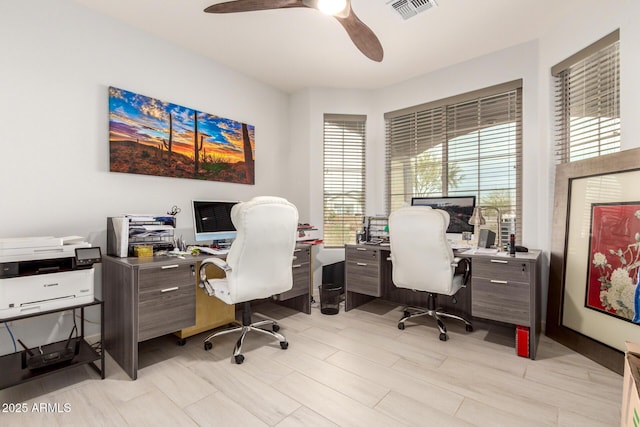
x: 166, y: 299
x: 501, y: 290
x: 299, y: 296
x: 363, y: 269
x: 507, y: 289
x: 145, y: 298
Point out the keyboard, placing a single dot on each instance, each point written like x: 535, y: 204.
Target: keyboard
x: 211, y: 251
x: 459, y: 246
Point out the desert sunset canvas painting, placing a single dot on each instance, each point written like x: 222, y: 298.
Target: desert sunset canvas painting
x: 151, y: 137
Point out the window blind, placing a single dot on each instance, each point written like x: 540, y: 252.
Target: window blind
x: 587, y: 102
x: 466, y: 145
x: 343, y: 178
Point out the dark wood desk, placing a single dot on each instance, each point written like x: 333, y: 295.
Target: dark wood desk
x: 148, y: 297
x: 501, y: 288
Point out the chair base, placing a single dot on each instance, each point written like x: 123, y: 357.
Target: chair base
x: 411, y: 312
x: 244, y: 329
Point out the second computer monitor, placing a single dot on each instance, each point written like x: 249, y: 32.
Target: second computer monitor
x: 460, y: 209
x: 212, y: 220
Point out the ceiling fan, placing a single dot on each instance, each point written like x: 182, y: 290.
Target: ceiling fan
x: 361, y: 35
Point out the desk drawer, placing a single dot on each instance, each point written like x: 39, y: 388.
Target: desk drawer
x: 363, y: 277
x: 366, y: 254
x: 167, y: 310
x: 301, y: 255
x: 166, y: 276
x: 301, y: 282
x: 166, y: 299
x: 501, y: 268
x: 504, y: 302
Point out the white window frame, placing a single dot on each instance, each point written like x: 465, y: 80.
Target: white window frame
x: 344, y: 180
x: 587, y: 101
x: 483, y: 119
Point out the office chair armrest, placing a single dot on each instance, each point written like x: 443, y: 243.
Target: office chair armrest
x: 204, y: 282
x: 219, y: 262
x: 464, y: 263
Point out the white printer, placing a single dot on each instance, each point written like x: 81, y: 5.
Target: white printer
x: 45, y: 273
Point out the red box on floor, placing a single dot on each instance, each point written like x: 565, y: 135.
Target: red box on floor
x: 522, y: 341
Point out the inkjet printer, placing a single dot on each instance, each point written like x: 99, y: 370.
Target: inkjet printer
x: 45, y: 273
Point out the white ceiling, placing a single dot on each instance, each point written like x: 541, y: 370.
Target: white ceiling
x: 296, y: 48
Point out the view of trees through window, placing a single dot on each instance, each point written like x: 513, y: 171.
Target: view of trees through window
x: 470, y: 148
x: 486, y: 169
x: 343, y: 178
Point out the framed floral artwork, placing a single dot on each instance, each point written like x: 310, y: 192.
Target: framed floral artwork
x: 593, y: 270
x: 614, y: 257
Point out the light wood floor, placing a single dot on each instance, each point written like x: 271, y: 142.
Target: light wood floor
x: 350, y: 369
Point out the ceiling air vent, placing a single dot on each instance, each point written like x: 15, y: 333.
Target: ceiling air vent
x: 409, y: 8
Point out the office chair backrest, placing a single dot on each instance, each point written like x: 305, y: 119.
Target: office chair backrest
x: 420, y: 253
x: 261, y: 255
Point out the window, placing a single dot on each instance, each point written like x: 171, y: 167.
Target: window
x: 465, y: 145
x: 587, y: 98
x: 343, y: 178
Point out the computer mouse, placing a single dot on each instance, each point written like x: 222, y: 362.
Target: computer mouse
x: 521, y: 249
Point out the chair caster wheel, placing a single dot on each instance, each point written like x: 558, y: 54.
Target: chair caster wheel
x: 406, y: 314
x: 239, y: 359
x: 401, y: 326
x: 284, y: 345
x: 443, y: 337
x: 207, y: 345
x: 182, y: 341
x: 276, y: 328
x: 469, y: 328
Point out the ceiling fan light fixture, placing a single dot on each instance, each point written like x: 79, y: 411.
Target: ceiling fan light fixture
x: 331, y: 7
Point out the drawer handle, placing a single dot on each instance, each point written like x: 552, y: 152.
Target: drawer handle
x: 296, y: 265
x: 361, y: 249
x: 297, y: 250
x: 295, y: 257
x: 166, y: 267
x: 502, y: 282
x: 499, y: 261
x: 363, y: 264
x: 175, y: 288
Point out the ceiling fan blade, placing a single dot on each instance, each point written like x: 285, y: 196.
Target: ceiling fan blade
x: 362, y: 36
x: 251, y: 5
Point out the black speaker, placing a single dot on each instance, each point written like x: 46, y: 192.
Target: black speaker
x: 486, y: 239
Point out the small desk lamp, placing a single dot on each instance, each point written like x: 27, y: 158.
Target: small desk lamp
x: 477, y: 220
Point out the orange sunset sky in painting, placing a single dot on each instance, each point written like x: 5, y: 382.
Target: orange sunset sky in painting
x: 145, y: 120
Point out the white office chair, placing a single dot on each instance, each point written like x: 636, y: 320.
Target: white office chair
x: 423, y: 260
x: 258, y: 264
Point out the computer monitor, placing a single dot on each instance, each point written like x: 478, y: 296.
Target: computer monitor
x: 460, y: 209
x: 212, y: 220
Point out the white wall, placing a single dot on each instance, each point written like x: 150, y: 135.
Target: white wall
x: 54, y: 167
x: 57, y: 61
